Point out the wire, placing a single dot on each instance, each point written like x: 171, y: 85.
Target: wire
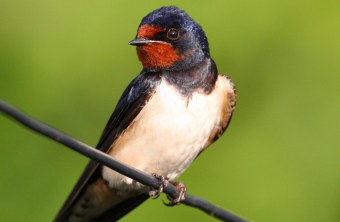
x: 108, y: 161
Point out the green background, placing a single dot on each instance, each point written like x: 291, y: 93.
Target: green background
x: 67, y: 62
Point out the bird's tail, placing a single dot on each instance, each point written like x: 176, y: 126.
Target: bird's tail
x: 93, y: 200
x: 100, y: 203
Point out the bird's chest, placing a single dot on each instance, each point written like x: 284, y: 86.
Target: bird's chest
x: 168, y: 133
x: 179, y: 127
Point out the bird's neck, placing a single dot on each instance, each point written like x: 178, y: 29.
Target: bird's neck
x: 201, y: 77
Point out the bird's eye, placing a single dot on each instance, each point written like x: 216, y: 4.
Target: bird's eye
x: 172, y: 34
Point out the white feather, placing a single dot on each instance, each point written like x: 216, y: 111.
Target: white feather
x: 168, y: 133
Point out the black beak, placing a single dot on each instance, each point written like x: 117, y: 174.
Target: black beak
x: 142, y: 42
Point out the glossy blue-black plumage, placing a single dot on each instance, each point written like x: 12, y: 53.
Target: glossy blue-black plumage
x: 130, y: 104
x: 193, y: 43
x: 197, y: 70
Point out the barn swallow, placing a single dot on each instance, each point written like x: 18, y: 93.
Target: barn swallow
x: 172, y: 111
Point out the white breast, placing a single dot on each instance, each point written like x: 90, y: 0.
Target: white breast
x: 169, y: 132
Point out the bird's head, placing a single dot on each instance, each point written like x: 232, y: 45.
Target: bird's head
x: 169, y: 39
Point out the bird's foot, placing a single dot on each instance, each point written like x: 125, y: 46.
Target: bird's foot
x: 181, y: 196
x: 155, y: 193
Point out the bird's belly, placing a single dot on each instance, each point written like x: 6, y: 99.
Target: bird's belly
x: 166, y: 136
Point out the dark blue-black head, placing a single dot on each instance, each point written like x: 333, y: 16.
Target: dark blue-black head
x: 168, y: 38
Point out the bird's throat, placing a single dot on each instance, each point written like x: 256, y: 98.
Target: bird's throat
x: 158, y: 55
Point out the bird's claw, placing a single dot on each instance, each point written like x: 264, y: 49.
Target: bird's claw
x: 181, y: 196
x: 155, y: 193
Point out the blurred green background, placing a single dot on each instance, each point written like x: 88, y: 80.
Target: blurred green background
x: 67, y: 62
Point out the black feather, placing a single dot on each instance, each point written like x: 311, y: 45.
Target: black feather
x: 130, y: 104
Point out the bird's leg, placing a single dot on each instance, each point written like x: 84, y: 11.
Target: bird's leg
x: 181, y: 196
x: 155, y: 193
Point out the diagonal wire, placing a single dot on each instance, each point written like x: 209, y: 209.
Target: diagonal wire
x: 108, y: 161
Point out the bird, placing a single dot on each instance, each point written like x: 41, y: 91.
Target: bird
x: 167, y: 116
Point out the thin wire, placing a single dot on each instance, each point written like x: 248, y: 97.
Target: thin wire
x: 108, y: 161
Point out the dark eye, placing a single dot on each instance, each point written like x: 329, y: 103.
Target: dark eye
x: 172, y: 34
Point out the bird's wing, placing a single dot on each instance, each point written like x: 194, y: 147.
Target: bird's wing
x: 132, y: 101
